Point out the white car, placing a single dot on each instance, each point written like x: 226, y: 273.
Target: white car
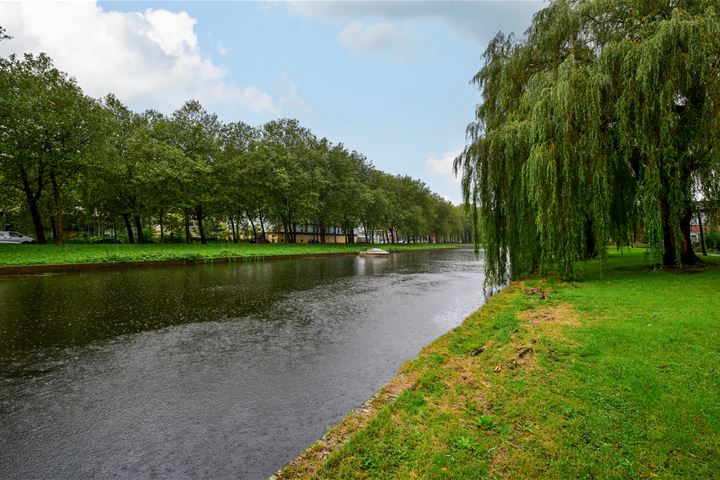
x: 14, y: 237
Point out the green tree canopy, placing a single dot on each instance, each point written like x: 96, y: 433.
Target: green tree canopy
x: 70, y: 162
x: 604, y: 117
x: 48, y: 130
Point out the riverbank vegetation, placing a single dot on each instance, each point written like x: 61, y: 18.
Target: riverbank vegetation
x: 598, y: 128
x: 612, y: 376
x: 70, y: 162
x: 72, y: 254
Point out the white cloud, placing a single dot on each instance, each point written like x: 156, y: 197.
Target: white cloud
x: 373, y: 39
x: 149, y: 59
x: 292, y: 101
x: 474, y: 20
x: 443, y: 166
x: 172, y: 31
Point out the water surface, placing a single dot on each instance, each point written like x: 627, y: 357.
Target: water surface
x: 224, y: 371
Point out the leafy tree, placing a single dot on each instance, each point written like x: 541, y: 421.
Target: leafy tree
x: 286, y: 152
x: 604, y: 115
x: 236, y: 169
x: 339, y: 180
x: 48, y: 129
x: 197, y: 134
x: 139, y: 174
x: 92, y: 163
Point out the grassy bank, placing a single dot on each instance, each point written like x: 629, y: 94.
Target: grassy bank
x: 20, y: 255
x: 613, y: 376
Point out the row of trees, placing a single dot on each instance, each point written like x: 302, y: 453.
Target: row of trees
x: 67, y: 159
x: 605, y: 117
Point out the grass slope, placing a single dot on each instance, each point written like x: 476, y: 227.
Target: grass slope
x: 613, y: 376
x: 17, y: 255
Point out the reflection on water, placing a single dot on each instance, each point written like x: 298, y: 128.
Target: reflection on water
x: 220, y: 371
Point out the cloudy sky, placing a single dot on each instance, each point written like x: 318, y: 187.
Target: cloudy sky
x: 389, y: 79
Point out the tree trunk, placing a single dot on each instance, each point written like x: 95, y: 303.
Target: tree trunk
x: 262, y: 225
x: 32, y: 200
x: 321, y: 226
x: 687, y: 254
x: 199, y: 215
x: 702, y: 233
x: 590, y: 244
x: 58, y: 235
x: 188, y: 238
x: 128, y: 227
x: 252, y: 224
x: 53, y: 232
x: 232, y: 229
x: 138, y: 227
x: 162, y: 231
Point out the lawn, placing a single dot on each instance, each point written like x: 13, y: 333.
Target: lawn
x: 613, y: 376
x: 18, y: 255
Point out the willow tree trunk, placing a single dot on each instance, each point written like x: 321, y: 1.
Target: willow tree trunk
x: 590, y: 244
x: 687, y: 254
x: 703, y: 246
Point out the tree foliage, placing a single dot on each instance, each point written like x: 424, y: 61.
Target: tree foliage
x: 97, y: 166
x: 604, y: 118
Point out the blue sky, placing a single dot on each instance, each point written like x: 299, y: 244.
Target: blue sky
x: 388, y: 79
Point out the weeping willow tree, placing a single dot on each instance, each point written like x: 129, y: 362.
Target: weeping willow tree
x: 606, y: 116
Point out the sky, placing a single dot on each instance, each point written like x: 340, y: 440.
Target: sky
x: 389, y: 79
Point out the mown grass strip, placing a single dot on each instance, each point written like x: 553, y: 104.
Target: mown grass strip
x: 21, y: 255
x: 613, y: 376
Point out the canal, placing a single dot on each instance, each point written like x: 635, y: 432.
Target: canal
x: 213, y: 371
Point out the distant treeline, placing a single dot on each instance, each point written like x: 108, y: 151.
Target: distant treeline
x: 68, y: 161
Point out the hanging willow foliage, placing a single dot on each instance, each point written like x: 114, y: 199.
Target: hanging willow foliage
x: 605, y: 117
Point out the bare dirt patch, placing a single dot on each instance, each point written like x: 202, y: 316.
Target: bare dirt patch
x: 562, y: 314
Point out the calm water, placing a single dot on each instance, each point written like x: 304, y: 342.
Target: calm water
x: 218, y: 372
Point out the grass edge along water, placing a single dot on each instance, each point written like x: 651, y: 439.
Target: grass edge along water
x: 612, y: 376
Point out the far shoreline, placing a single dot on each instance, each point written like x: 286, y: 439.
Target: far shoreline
x: 245, y: 255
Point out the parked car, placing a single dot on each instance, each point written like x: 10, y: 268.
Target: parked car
x: 7, y: 236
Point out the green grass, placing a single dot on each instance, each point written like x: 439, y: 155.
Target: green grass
x: 613, y: 376
x: 20, y: 255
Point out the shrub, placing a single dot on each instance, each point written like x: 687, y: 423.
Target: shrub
x: 712, y: 240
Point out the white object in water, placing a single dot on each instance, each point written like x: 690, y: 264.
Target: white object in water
x: 374, y: 252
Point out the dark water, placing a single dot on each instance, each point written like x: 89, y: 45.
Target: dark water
x: 218, y: 372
